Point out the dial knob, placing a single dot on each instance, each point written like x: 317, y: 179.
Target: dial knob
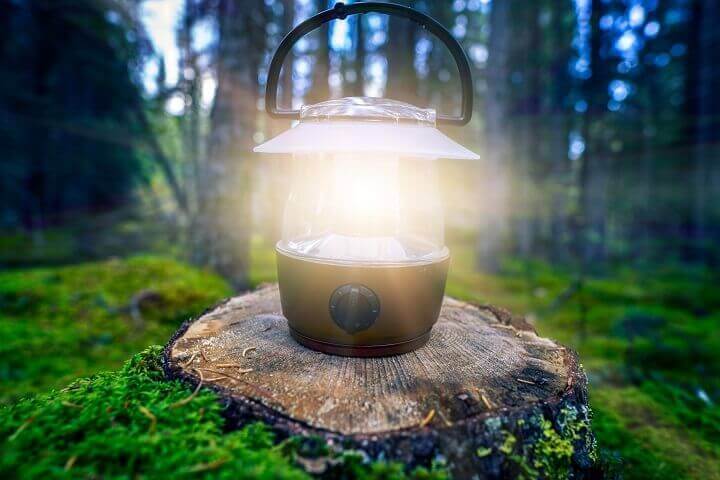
x: 354, y: 307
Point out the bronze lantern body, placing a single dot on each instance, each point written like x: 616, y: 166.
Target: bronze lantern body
x: 360, y: 309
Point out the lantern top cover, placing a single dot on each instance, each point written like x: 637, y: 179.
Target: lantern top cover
x: 367, y: 125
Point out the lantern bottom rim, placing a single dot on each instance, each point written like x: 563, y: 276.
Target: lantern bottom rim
x: 361, y: 350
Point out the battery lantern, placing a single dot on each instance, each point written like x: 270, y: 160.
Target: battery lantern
x: 362, y: 262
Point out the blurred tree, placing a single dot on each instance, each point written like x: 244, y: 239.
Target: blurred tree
x: 599, y: 136
x: 557, y: 48
x: 277, y: 164
x: 497, y: 136
x: 190, y: 87
x: 525, y: 110
x: 222, y: 230
x: 287, y: 22
x: 703, y: 106
x: 68, y: 95
x: 443, y: 79
x: 402, y: 80
x: 320, y: 90
x: 357, y: 86
x: 525, y: 124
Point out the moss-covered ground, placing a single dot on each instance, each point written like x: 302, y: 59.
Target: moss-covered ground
x: 58, y: 323
x: 132, y: 423
x: 647, y: 338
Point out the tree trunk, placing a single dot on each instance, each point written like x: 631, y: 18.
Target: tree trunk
x: 222, y: 228
x: 274, y: 167
x: 320, y: 90
x: 190, y: 86
x: 494, y: 177
x: 705, y: 101
x: 594, y: 174
x: 286, y: 74
x: 402, y: 80
x: 557, y: 129
x: 486, y: 393
x: 526, y: 41
x: 358, y: 86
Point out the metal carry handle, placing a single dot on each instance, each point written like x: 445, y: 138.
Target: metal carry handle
x: 341, y: 11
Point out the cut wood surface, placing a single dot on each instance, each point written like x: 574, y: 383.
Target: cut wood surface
x: 483, y: 376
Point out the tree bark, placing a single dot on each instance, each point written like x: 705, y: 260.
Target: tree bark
x: 485, y: 393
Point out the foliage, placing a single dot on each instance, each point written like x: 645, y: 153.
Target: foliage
x: 120, y: 233
x: 61, y: 323
x: 68, y: 103
x: 135, y: 423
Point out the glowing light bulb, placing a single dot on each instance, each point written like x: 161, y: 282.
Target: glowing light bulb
x: 364, y: 208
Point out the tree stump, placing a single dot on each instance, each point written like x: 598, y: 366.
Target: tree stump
x: 486, y: 395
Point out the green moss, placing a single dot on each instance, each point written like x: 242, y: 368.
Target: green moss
x: 519, y: 459
x: 553, y: 452
x: 133, y: 423
x: 650, y: 437
x: 63, y: 322
x: 508, y: 445
x: 550, y: 456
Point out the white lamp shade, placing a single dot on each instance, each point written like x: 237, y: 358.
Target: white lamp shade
x: 367, y: 125
x: 366, y: 137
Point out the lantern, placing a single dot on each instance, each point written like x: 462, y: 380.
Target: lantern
x: 362, y: 262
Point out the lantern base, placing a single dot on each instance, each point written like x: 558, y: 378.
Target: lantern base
x: 361, y: 350
x: 364, y: 310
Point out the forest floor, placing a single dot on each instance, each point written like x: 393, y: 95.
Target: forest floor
x: 647, y: 339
